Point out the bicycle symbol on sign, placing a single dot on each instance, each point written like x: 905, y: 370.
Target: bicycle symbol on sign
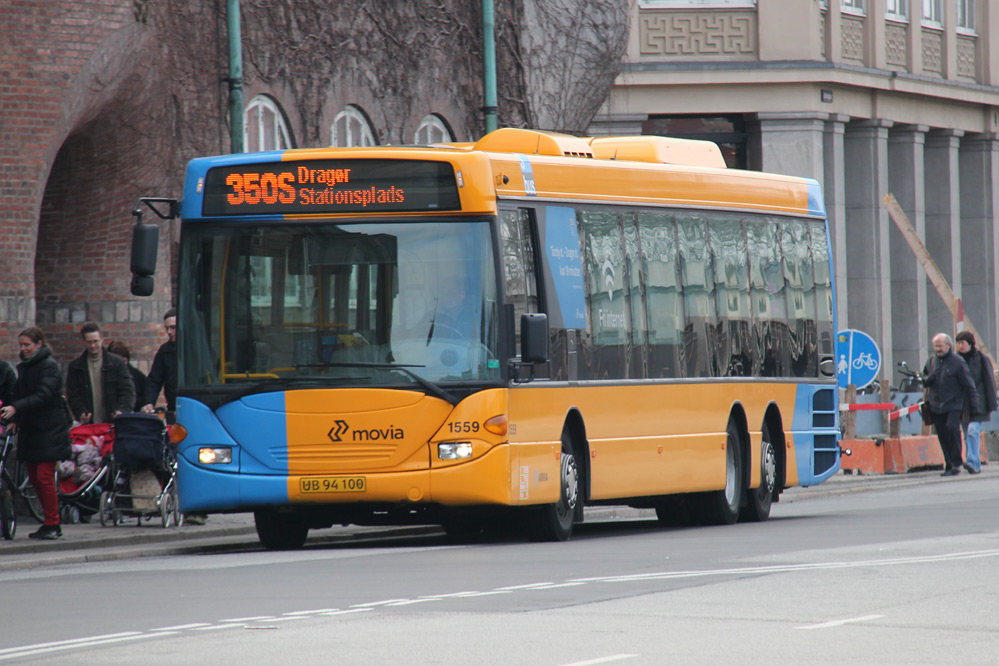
x: 865, y: 359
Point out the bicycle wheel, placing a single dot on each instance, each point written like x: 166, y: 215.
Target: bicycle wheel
x: 8, y: 516
x: 31, y: 499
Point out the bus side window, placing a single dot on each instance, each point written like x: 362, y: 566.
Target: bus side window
x: 519, y: 268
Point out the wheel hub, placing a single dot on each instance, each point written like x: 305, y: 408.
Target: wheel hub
x: 769, y: 466
x: 570, y: 480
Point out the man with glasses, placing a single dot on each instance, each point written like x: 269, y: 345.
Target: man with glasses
x: 163, y: 375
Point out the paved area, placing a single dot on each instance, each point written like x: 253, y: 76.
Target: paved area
x: 87, y: 542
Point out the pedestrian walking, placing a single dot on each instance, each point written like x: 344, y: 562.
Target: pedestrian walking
x: 163, y: 374
x: 949, y: 385
x: 40, y: 416
x: 975, y: 414
x: 98, y: 386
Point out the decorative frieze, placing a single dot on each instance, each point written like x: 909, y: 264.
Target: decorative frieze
x: 704, y: 34
x: 852, y: 39
x: 967, y: 64
x: 933, y: 52
x: 896, y: 46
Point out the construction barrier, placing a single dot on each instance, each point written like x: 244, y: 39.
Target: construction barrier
x: 894, y: 411
x: 894, y: 455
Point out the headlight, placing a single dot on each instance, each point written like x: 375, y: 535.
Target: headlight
x: 454, y: 450
x: 219, y: 455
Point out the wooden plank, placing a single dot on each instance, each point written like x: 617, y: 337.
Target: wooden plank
x: 932, y: 271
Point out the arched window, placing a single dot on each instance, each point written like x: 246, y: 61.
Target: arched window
x: 433, y: 129
x: 265, y: 127
x: 351, y: 128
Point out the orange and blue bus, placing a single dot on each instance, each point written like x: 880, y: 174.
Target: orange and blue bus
x: 506, y: 330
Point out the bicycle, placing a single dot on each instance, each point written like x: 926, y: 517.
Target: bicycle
x: 913, y: 381
x: 14, y: 483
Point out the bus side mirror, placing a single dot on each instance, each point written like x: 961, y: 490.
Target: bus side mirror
x: 145, y: 246
x: 534, y: 338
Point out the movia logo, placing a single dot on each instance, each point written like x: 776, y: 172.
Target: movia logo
x: 337, y: 430
x: 340, y: 429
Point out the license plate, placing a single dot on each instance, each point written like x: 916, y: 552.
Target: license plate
x: 333, y: 484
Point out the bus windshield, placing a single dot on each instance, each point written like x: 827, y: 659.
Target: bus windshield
x: 338, y: 304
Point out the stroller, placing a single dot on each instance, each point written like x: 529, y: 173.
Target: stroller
x: 144, y: 483
x: 81, y: 479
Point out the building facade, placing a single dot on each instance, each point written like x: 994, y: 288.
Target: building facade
x: 869, y: 97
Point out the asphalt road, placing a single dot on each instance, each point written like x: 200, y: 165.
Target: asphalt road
x: 897, y: 572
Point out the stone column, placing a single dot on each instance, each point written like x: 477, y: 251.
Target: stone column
x: 792, y: 143
x: 943, y: 215
x: 834, y: 189
x: 868, y: 269
x: 979, y: 193
x: 906, y: 181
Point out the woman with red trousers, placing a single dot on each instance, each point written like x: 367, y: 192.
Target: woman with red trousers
x: 39, y: 412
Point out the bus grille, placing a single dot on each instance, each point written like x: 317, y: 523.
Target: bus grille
x: 826, y: 450
x: 323, y: 455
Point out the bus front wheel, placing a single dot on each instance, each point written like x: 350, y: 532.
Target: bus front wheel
x: 279, y: 531
x: 553, y: 522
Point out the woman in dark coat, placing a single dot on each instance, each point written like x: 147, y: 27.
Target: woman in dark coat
x: 39, y: 412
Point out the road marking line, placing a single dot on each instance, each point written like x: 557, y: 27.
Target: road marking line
x: 216, y: 627
x: 410, y: 602
x: 378, y: 603
x: 31, y: 650
x: 557, y: 585
x: 71, y: 641
x: 840, y: 623
x: 602, y: 660
x: 347, y: 612
x: 789, y: 568
x: 523, y: 587
x: 290, y: 618
x: 311, y: 612
x: 254, y: 618
x: 179, y: 627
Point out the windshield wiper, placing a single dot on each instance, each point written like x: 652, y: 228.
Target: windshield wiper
x: 275, y: 382
x: 432, y: 388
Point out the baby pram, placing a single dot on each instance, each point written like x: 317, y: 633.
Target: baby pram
x: 145, y: 473
x: 81, y: 480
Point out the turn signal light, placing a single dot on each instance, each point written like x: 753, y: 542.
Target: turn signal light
x: 497, y: 425
x: 178, y: 434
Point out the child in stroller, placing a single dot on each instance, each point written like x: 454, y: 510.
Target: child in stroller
x: 145, y: 467
x: 81, y: 480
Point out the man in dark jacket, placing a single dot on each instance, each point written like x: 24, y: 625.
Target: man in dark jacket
x: 949, y: 381
x: 974, y: 415
x: 163, y: 374
x: 98, y: 384
x: 119, y: 348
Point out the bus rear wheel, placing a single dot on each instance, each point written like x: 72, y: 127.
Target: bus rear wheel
x: 721, y: 507
x: 759, y: 500
x: 278, y: 531
x: 553, y: 522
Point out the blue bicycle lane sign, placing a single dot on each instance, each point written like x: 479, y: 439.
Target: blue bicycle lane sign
x: 858, y: 358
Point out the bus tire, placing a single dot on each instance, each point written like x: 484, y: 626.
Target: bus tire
x: 279, y: 531
x: 759, y: 500
x: 553, y: 522
x: 721, y: 507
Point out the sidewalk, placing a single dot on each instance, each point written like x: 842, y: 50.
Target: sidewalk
x: 91, y: 542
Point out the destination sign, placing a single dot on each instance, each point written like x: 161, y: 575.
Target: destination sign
x: 331, y: 186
